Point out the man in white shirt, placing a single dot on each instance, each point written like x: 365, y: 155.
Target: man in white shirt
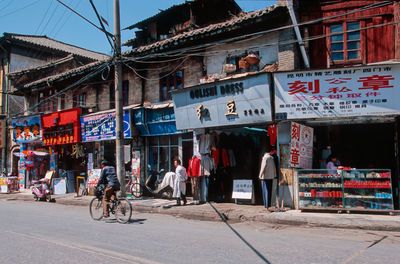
x: 180, y: 183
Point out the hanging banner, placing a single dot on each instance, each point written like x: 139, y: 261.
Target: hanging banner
x: 356, y: 91
x: 27, y: 129
x: 2, y: 134
x: 102, y: 126
x: 301, y: 146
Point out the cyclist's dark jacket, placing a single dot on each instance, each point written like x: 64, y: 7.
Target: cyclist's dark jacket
x: 108, y: 176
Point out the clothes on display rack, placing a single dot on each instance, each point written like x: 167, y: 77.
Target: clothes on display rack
x: 220, y: 155
x: 194, y: 174
x: 232, y: 159
x: 207, y: 166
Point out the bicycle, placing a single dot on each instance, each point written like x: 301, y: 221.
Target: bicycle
x: 120, y: 207
x: 133, y: 187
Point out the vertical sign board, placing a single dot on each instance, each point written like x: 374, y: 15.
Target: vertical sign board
x: 2, y: 134
x: 301, y: 146
x: 136, y: 164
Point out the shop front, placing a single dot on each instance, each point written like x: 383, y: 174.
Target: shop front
x: 33, y: 158
x: 163, y: 142
x: 229, y: 120
x: 61, y: 135
x: 338, y: 136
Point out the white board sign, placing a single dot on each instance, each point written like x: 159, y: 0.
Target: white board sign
x: 242, y: 189
x: 60, y: 186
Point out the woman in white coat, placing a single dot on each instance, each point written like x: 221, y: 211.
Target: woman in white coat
x: 180, y: 183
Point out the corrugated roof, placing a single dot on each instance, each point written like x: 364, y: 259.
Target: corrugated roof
x: 44, y: 41
x: 219, y: 28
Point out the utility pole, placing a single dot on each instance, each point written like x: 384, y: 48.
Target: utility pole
x: 119, y: 130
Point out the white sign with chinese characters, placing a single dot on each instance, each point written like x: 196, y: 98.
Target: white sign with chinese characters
x: 242, y: 189
x: 301, y: 146
x: 356, y: 91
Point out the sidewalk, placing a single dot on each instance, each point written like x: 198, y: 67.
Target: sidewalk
x: 238, y: 213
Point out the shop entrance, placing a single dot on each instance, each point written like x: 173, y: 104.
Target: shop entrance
x: 362, y: 146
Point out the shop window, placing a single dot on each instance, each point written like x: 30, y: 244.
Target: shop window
x: 112, y: 96
x: 125, y: 92
x: 345, y: 42
x: 47, y: 105
x: 169, y: 82
x: 79, y: 100
x: 162, y: 152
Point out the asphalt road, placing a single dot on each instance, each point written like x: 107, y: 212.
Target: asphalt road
x: 39, y: 232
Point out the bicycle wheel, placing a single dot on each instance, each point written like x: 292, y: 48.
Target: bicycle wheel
x: 123, y: 212
x: 96, y: 208
x: 136, y: 190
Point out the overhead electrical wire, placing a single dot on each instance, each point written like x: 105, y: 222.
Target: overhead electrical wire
x: 19, y: 9
x: 43, y: 18
x: 48, y: 21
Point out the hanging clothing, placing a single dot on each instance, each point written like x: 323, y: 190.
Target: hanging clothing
x: 268, y: 169
x: 180, y: 182
x: 224, y: 157
x: 194, y: 167
x: 232, y: 159
x: 206, y: 165
x: 204, y: 144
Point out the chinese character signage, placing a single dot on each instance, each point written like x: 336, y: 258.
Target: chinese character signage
x: 2, y: 134
x: 357, y: 91
x: 61, y: 127
x: 27, y: 129
x: 301, y: 146
x: 242, y: 189
x: 102, y: 126
x: 238, y: 101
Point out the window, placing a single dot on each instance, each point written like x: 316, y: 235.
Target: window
x: 345, y: 46
x: 169, y: 83
x: 162, y: 152
x: 79, y: 100
x: 47, y: 105
x: 112, y: 96
x: 62, y: 104
x: 125, y: 93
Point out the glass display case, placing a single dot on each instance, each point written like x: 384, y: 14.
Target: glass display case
x: 345, y: 189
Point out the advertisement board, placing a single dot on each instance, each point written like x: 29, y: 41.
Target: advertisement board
x: 27, y: 129
x: 301, y: 146
x: 102, y: 126
x: 339, y: 92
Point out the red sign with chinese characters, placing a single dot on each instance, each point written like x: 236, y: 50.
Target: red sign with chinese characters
x: 61, y: 127
x: 301, y: 146
x: 355, y: 91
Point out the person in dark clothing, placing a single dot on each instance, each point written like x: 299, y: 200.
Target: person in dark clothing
x: 108, y: 177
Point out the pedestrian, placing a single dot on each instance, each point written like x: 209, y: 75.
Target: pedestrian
x: 180, y: 183
x: 108, y: 177
x: 267, y: 175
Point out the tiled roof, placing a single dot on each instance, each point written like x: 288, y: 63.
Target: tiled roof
x: 41, y: 67
x: 44, y: 41
x: 64, y: 75
x: 218, y: 28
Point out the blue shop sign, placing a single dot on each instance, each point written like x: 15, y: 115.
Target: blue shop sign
x: 102, y: 126
x: 155, y: 122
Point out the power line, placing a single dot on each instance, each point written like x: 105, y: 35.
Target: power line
x: 66, y: 20
x: 45, y: 14
x: 60, y: 19
x: 19, y: 9
x: 48, y: 21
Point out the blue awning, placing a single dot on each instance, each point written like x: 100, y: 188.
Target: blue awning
x: 155, y: 122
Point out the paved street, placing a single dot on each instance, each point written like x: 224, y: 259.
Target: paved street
x: 51, y: 233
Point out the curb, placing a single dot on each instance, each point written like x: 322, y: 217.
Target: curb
x: 235, y: 216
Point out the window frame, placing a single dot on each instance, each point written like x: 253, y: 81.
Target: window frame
x: 79, y: 99
x: 167, y: 77
x: 49, y: 106
x: 345, y: 42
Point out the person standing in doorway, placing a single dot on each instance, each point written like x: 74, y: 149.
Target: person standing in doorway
x: 267, y: 175
x: 180, y: 183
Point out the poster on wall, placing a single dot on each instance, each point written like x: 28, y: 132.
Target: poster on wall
x: 27, y: 129
x: 136, y: 164
x: 93, y: 177
x: 2, y: 133
x: 339, y: 92
x: 301, y: 146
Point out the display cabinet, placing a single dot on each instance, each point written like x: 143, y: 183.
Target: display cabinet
x: 345, y: 189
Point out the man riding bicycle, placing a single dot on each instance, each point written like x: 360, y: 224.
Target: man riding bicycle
x: 108, y: 177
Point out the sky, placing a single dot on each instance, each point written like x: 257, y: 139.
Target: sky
x: 50, y: 18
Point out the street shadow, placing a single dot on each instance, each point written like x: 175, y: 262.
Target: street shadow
x: 224, y: 218
x: 137, y: 221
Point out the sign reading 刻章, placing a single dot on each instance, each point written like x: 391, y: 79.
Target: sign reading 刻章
x: 358, y: 91
x: 301, y: 146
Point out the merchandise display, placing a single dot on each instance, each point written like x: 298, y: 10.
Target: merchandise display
x: 345, y: 189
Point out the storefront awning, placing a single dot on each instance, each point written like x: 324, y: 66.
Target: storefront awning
x: 155, y: 121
